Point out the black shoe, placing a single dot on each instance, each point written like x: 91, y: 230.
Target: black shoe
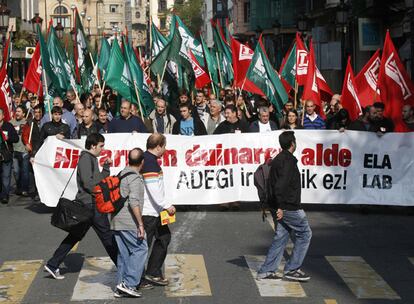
x: 297, y: 275
x: 160, y: 281
x: 4, y: 201
x: 145, y: 285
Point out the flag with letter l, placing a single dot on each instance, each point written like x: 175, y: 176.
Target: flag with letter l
x: 202, y: 78
x: 395, y: 85
x: 367, y: 80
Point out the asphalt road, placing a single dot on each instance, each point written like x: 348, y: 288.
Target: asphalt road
x: 356, y: 256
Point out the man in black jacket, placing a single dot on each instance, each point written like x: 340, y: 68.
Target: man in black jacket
x: 87, y: 177
x: 285, y: 185
x: 7, y: 139
x: 56, y: 126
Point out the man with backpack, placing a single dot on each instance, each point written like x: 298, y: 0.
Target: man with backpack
x: 285, y: 198
x: 128, y: 227
x: 87, y: 177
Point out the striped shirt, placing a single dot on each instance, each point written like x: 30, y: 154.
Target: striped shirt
x: 314, y: 122
x: 154, y: 197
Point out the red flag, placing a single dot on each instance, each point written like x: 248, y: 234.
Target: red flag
x: 366, y: 80
x: 394, y: 84
x: 5, y: 90
x: 350, y: 99
x: 202, y: 78
x: 5, y: 95
x: 325, y: 90
x: 311, y: 88
x: 302, y: 61
x: 33, y: 82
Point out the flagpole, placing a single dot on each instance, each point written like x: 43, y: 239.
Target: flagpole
x: 102, y: 93
x: 150, y: 34
x: 212, y: 84
x: 30, y: 133
x: 47, y: 94
x: 303, y: 111
x: 96, y: 74
x: 218, y: 65
x: 139, y: 100
x: 76, y: 92
x: 162, y: 76
x: 244, y: 81
x: 296, y: 93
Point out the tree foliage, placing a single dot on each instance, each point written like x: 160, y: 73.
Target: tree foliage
x: 190, y: 12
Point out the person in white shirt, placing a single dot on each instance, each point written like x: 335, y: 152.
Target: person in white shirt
x: 263, y: 123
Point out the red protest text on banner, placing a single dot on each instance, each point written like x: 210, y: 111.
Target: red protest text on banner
x: 330, y: 156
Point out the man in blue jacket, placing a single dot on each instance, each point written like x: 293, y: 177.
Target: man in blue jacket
x: 126, y: 123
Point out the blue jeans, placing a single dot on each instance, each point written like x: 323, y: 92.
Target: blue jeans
x: 21, y: 166
x: 132, y: 254
x: 294, y: 222
x: 6, y: 168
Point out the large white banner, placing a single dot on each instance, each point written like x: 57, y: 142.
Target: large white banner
x: 336, y: 168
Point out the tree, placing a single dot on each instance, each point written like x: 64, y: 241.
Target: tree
x: 190, y: 12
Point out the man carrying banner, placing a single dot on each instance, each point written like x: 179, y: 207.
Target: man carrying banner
x: 285, y: 197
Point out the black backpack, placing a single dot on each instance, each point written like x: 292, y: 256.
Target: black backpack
x: 261, y: 182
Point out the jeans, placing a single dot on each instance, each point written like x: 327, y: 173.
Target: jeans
x: 100, y: 224
x: 295, y: 223
x: 6, y: 168
x: 21, y: 165
x: 162, y: 235
x: 132, y: 254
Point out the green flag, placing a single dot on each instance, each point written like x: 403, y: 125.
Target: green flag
x: 104, y: 53
x: 59, y: 62
x: 211, y: 62
x: 83, y: 61
x: 224, y: 55
x: 48, y: 76
x: 262, y: 74
x: 158, y: 41
x: 288, y: 70
x: 117, y: 74
x: 138, y: 78
x: 188, y: 40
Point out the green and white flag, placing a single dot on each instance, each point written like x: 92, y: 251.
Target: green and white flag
x: 211, y: 63
x: 262, y: 74
x: 288, y: 70
x: 117, y: 75
x: 83, y: 62
x: 49, y: 78
x: 158, y: 41
x: 104, y: 54
x: 188, y: 40
x: 138, y: 79
x: 59, y: 62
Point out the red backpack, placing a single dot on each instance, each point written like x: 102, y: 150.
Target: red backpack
x: 107, y: 193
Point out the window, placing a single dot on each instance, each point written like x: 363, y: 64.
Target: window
x: 114, y: 24
x: 163, y: 23
x: 61, y: 14
x: 246, y: 12
x: 113, y: 8
x: 162, y: 5
x: 137, y: 15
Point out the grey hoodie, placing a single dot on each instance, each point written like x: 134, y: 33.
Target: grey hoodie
x: 88, y: 176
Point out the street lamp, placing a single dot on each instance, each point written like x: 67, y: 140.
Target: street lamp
x: 83, y: 14
x: 36, y: 20
x: 276, y: 27
x: 59, y: 30
x: 89, y: 18
x: 72, y: 7
x: 342, y: 20
x: 4, y: 17
x: 302, y: 24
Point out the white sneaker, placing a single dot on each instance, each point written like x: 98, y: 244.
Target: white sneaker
x: 131, y: 291
x: 55, y: 274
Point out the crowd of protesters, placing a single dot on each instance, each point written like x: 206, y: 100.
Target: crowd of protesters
x: 197, y: 114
